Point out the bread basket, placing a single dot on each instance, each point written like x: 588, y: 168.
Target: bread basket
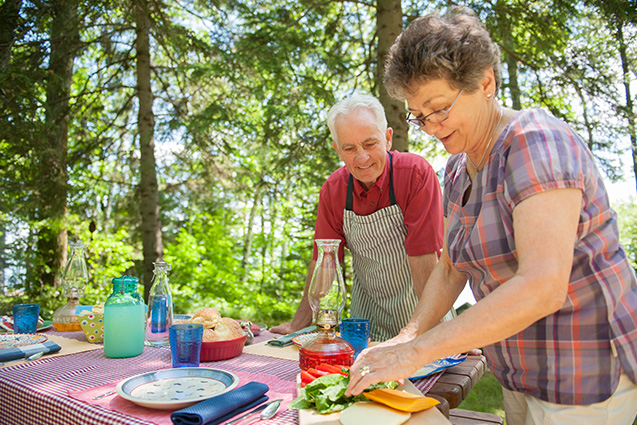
x: 212, y: 351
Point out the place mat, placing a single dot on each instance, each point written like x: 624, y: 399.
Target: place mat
x: 75, y: 335
x: 289, y: 352
x: 279, y: 389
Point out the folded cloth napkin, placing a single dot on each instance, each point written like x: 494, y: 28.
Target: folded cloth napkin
x: 219, y: 409
x: 7, y: 354
x: 287, y: 339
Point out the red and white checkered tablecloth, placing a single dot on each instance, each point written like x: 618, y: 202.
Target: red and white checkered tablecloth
x: 59, y: 390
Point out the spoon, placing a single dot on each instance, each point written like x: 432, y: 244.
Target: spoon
x: 269, y: 410
x: 35, y: 356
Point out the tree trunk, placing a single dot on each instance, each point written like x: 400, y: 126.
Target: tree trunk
x: 9, y: 13
x: 389, y: 24
x: 52, y: 183
x: 2, y: 260
x: 512, y: 69
x: 630, y: 113
x: 149, y: 200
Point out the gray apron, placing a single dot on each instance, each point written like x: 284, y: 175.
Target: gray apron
x: 383, y: 290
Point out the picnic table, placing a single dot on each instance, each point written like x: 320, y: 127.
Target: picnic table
x: 59, y: 388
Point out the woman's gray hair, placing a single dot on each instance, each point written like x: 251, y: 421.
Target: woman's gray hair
x: 351, y: 104
x: 455, y: 47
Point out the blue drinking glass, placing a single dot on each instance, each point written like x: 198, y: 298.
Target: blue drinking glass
x: 356, y: 332
x: 185, y: 344
x: 25, y: 318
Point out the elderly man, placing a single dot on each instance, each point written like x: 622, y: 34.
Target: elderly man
x: 385, y: 207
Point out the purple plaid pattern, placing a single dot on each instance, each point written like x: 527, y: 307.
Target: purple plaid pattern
x: 566, y: 357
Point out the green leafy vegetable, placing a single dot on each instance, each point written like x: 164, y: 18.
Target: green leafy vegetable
x: 327, y: 394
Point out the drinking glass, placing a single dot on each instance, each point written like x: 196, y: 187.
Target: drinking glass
x: 356, y: 332
x: 25, y: 318
x: 185, y: 344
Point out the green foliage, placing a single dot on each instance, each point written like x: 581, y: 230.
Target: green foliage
x: 627, y: 221
x: 206, y: 273
x: 485, y: 396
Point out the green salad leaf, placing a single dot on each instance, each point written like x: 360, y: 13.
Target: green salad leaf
x: 327, y: 394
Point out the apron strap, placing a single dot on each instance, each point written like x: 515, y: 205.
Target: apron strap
x: 350, y: 187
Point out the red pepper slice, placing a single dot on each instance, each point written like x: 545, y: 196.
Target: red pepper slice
x: 316, y: 373
x: 330, y: 369
x: 306, y: 377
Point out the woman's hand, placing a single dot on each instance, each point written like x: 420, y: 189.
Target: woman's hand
x: 382, y: 364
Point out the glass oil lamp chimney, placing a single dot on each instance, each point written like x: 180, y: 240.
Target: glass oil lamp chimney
x: 327, y: 300
x: 74, y: 281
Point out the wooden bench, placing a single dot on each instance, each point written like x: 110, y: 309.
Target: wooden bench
x: 456, y: 382
x: 468, y: 417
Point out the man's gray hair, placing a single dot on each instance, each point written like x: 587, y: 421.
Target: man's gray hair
x: 351, y: 104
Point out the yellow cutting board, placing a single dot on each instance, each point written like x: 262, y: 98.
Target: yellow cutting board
x: 431, y: 416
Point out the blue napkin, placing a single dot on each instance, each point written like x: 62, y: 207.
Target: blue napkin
x: 287, y: 339
x: 437, y: 366
x: 8, y: 354
x: 219, y: 409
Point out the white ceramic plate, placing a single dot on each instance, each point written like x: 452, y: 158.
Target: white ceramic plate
x: 299, y: 340
x: 176, y: 388
x: 20, y: 340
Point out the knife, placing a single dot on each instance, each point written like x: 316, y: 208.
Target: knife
x: 106, y: 394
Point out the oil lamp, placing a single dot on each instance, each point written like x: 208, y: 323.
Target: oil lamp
x: 327, y: 300
x: 74, y: 281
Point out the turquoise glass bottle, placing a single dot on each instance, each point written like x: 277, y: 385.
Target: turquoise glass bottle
x: 124, y: 320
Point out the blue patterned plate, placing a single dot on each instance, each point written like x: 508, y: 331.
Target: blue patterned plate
x: 176, y: 388
x: 20, y: 340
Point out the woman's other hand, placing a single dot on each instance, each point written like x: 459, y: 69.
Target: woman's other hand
x: 283, y: 328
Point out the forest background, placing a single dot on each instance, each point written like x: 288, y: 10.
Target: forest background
x: 194, y: 131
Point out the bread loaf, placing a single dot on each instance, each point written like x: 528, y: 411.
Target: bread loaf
x: 216, y: 328
x: 208, y: 317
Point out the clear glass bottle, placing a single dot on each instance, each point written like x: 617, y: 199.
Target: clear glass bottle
x: 159, y: 316
x: 327, y: 300
x: 123, y: 320
x: 74, y: 281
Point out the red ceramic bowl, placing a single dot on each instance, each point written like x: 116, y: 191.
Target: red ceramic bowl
x: 212, y: 351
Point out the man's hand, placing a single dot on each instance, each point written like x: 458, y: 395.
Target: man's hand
x: 283, y: 328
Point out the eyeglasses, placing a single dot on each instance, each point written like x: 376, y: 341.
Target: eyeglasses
x: 435, y: 117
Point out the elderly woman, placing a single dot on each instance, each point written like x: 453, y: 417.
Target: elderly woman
x: 528, y: 224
